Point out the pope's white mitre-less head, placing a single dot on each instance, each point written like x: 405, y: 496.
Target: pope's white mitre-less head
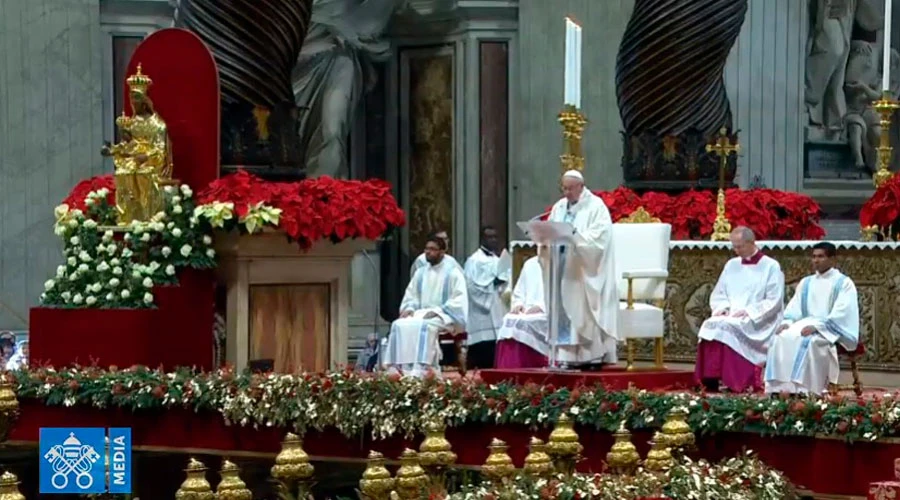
x: 572, y: 185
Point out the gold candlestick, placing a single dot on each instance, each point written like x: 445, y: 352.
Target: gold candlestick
x: 722, y: 147
x: 885, y: 107
x: 573, y: 123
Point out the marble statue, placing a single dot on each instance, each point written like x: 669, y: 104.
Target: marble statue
x: 333, y: 72
x: 861, y: 89
x: 828, y: 52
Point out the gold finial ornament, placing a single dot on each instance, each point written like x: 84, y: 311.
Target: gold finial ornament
x: 538, y: 463
x: 659, y: 458
x: 436, y: 456
x: 676, y: 433
x: 9, y: 487
x: 498, y: 466
x: 195, y: 486
x: 563, y: 446
x: 292, y: 468
x: 376, y: 482
x: 143, y: 156
x: 623, y: 457
x: 886, y: 106
x: 573, y: 123
x: 722, y: 147
x: 232, y: 487
x: 411, y: 482
x: 9, y: 407
x: 639, y: 216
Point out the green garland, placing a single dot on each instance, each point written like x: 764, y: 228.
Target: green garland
x: 739, y: 478
x: 388, y: 405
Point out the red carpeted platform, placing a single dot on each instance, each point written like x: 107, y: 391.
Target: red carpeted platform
x: 614, y: 378
x: 179, y: 332
x: 850, y: 467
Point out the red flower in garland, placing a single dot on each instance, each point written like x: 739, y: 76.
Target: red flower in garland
x: 82, y: 189
x: 883, y: 208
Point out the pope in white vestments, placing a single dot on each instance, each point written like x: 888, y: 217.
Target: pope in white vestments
x: 588, y: 293
x: 486, y: 278
x: 436, y: 300
x: 746, y: 304
x: 823, y: 312
x: 522, y: 340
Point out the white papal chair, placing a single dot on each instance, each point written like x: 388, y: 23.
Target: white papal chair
x: 641, y: 250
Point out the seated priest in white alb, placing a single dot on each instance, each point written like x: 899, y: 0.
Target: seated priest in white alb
x: 588, y: 291
x: 487, y: 278
x: 823, y: 312
x: 746, y: 304
x: 435, y: 301
x: 522, y: 340
x: 422, y: 261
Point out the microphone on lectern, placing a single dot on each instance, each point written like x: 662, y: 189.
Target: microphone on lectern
x: 540, y: 216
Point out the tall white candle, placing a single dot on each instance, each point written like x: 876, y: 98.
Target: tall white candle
x: 886, y: 62
x: 572, y: 74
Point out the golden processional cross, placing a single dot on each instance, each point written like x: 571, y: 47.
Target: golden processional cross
x: 722, y: 147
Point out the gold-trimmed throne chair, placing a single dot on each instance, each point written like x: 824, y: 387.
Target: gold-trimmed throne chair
x: 641, y: 252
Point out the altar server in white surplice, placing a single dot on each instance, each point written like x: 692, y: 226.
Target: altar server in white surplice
x: 436, y: 300
x: 746, y: 304
x: 588, y: 292
x: 522, y: 340
x: 421, y: 261
x: 487, y: 278
x: 823, y: 312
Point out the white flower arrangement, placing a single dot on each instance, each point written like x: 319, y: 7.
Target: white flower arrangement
x: 107, y: 268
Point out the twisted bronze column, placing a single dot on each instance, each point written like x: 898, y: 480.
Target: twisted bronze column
x: 670, y: 89
x: 255, y: 44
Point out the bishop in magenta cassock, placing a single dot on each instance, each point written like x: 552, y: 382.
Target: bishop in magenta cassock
x: 746, y: 304
x: 436, y: 300
x: 522, y: 338
x: 823, y: 313
x: 588, y: 293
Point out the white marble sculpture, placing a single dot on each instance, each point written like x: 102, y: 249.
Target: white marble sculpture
x: 828, y: 51
x: 332, y: 74
x: 861, y: 88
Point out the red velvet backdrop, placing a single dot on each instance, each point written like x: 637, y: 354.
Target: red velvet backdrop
x: 185, y: 93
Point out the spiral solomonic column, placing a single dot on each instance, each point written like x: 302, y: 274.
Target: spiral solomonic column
x: 255, y: 44
x: 669, y: 67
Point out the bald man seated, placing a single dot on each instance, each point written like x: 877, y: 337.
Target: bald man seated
x: 747, y: 304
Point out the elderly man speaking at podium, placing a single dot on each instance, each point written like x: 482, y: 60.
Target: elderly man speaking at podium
x: 587, y: 289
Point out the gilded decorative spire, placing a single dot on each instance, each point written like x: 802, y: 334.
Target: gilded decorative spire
x: 232, y: 487
x: 9, y: 487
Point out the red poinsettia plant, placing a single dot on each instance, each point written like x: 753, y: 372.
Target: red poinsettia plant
x: 78, y: 195
x: 310, y: 210
x: 883, y: 208
x: 314, y: 209
x: 772, y: 214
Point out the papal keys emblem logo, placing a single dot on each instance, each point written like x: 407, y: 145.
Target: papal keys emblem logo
x: 70, y: 460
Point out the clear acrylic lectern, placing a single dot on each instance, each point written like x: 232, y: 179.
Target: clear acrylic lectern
x: 555, y: 236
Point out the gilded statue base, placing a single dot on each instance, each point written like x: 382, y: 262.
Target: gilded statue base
x: 693, y: 271
x: 673, y: 162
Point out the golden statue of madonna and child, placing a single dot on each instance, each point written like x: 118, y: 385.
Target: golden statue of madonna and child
x: 142, y: 158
